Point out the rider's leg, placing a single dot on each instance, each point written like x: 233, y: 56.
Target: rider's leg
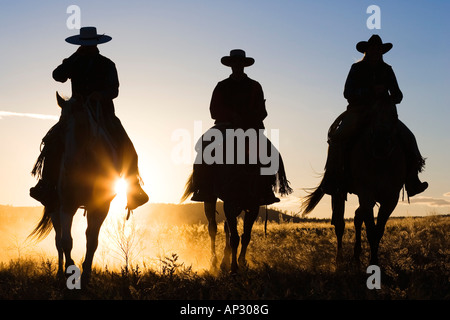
x: 136, y: 196
x: 203, y: 176
x: 335, y: 159
x: 416, y: 161
x: 45, y: 190
x: 267, y: 194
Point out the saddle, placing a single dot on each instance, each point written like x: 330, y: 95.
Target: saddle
x: 377, y: 129
x: 234, y: 181
x: 53, y: 143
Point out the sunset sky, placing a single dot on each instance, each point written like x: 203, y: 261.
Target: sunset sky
x: 167, y: 54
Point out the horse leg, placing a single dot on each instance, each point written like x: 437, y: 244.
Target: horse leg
x: 95, y: 218
x: 231, y: 213
x: 66, y: 218
x: 58, y: 240
x: 225, y: 264
x: 386, y: 208
x: 338, y: 208
x: 249, y: 220
x: 366, y: 208
x: 210, y: 212
x: 358, y: 224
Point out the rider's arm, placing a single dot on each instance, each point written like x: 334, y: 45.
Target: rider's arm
x: 218, y: 108
x: 354, y: 91
x: 394, y: 90
x: 260, y: 102
x: 111, y: 90
x: 64, y: 71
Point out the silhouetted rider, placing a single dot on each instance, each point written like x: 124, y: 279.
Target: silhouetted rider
x: 369, y: 82
x: 92, y: 76
x: 238, y: 103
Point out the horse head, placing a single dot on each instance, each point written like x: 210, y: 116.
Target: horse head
x: 61, y: 101
x: 78, y: 123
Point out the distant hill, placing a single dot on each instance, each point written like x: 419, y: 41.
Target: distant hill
x: 194, y: 213
x: 175, y: 214
x: 16, y: 216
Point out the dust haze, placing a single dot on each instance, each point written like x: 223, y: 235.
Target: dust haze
x: 152, y: 234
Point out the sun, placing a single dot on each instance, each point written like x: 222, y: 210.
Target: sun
x: 120, y: 201
x: 121, y: 187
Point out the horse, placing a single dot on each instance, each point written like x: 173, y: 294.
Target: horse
x: 232, y: 210
x: 89, y: 167
x: 376, y: 174
x: 236, y: 185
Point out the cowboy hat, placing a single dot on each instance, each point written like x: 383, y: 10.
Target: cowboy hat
x: 375, y: 39
x: 237, y: 55
x: 88, y: 37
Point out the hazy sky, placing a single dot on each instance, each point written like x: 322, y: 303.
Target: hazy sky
x: 168, y: 54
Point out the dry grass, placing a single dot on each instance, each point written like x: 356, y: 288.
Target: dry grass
x: 294, y: 261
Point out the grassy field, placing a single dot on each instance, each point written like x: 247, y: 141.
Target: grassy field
x: 294, y: 261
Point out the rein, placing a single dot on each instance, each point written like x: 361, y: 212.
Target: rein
x: 265, y: 223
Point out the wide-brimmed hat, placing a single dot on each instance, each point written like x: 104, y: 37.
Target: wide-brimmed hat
x: 88, y: 37
x: 374, y: 40
x: 235, y: 56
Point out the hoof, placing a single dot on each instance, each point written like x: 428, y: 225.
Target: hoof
x: 339, y: 257
x: 234, y: 268
x: 225, y: 265
x: 85, y: 279
x: 374, y: 262
x: 243, y: 263
x: 356, y: 260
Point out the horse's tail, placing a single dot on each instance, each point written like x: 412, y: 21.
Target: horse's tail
x: 189, y: 188
x: 312, y: 200
x: 44, y: 226
x: 281, y: 180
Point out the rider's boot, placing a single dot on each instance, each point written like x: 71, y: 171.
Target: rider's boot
x: 414, y: 185
x: 44, y: 192
x: 203, y: 195
x: 136, y: 196
x: 269, y: 198
x: 45, y: 189
x: 203, y: 183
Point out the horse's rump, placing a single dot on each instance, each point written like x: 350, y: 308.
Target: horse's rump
x: 335, y: 125
x: 88, y: 155
x: 373, y: 159
x: 93, y: 155
x: 229, y: 178
x: 376, y: 160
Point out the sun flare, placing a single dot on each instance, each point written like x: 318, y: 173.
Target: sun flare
x: 120, y: 201
x: 121, y: 187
